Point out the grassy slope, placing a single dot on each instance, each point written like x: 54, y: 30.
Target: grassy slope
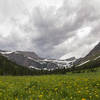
x: 83, y: 86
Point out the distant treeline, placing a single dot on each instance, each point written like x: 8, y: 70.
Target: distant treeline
x: 10, y: 68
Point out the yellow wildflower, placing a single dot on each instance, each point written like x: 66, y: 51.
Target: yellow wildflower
x: 96, y: 95
x: 40, y: 96
x: 56, y: 89
x: 83, y: 99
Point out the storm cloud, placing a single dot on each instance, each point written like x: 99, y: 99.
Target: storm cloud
x: 52, y: 31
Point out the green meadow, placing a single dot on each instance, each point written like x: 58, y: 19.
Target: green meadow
x: 72, y: 86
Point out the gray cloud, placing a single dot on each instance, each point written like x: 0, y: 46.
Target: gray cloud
x: 57, y: 28
x: 53, y: 32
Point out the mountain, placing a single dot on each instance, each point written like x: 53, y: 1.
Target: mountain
x: 31, y: 55
x: 8, y: 67
x: 89, y: 64
x: 91, y: 59
x: 29, y: 60
x: 24, y: 53
x: 65, y: 63
x: 11, y: 63
x: 95, y: 52
x: 71, y: 59
x: 32, y: 60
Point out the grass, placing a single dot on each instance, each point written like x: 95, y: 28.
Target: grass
x: 83, y: 86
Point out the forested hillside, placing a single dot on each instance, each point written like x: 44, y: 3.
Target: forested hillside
x: 10, y: 68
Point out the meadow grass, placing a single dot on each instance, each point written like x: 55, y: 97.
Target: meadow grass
x: 83, y: 86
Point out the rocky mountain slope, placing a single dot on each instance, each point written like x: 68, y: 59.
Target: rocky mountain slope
x: 29, y: 59
x: 94, y: 54
x: 8, y: 67
x: 32, y: 60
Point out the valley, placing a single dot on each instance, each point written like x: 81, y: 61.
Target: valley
x: 79, y: 86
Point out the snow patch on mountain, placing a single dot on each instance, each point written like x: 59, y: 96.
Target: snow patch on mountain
x: 97, y: 58
x: 34, y: 67
x: 6, y: 52
x: 84, y: 63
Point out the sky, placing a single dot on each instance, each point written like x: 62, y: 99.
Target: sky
x: 52, y: 28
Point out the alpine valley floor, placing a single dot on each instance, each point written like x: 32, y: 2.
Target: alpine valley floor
x: 72, y: 86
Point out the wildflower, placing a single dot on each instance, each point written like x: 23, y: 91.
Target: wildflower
x: 83, y: 99
x: 31, y: 98
x: 86, y: 87
x: 90, y: 96
x: 96, y: 95
x: 56, y: 89
x: 16, y: 99
x: 79, y: 91
x: 71, y: 97
x: 97, y: 84
x: 0, y: 93
x: 40, y: 96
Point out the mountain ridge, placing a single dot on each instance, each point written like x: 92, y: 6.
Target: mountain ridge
x: 92, y: 55
x: 32, y: 60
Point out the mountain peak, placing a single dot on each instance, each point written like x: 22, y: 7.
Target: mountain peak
x: 95, y: 51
